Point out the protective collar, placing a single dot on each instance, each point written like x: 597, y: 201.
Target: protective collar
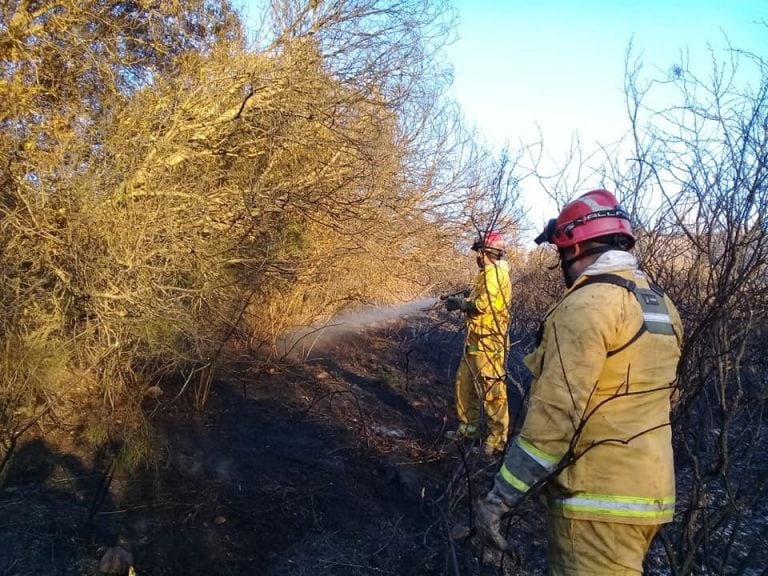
x: 612, y: 261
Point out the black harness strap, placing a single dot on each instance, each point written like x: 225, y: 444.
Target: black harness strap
x: 608, y: 279
x: 630, y: 286
x: 616, y: 280
x: 643, y: 330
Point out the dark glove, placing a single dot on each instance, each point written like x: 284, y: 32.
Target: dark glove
x: 456, y: 303
x: 489, y: 512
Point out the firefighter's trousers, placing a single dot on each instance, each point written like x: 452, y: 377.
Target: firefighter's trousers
x: 481, y: 390
x: 591, y: 548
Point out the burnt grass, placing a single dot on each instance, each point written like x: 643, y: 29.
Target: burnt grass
x: 333, y: 464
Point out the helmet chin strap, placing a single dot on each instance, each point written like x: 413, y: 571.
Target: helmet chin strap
x: 566, y: 264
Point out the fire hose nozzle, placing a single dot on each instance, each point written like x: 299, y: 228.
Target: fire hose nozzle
x: 463, y: 293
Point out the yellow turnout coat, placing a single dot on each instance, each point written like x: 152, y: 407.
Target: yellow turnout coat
x: 480, y: 379
x: 597, y: 427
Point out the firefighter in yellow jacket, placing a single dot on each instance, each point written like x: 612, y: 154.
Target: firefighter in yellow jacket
x: 596, y: 436
x: 480, y: 380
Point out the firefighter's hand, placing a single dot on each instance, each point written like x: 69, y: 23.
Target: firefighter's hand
x: 489, y: 512
x: 456, y: 303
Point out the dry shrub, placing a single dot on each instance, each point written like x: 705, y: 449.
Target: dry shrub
x: 159, y: 197
x: 87, y: 322
x: 703, y: 161
x: 537, y: 283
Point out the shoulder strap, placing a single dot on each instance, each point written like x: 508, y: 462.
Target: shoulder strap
x: 614, y: 279
x: 643, y: 330
x: 630, y: 286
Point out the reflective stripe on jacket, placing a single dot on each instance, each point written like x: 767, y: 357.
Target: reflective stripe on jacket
x: 602, y: 406
x: 658, y: 510
x: 524, y: 465
x: 490, y: 298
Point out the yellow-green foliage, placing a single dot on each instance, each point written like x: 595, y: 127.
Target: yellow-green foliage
x: 145, y: 212
x: 100, y: 297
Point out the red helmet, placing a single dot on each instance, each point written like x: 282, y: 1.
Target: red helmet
x: 591, y: 215
x: 491, y: 241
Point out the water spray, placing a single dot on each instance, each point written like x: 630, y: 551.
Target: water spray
x: 301, y: 341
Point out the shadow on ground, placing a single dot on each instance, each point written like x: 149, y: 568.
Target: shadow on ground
x: 336, y: 465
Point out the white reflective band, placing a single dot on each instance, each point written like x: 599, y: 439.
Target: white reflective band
x: 620, y: 506
x: 543, y: 459
x: 656, y: 317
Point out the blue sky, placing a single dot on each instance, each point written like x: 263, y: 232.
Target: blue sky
x: 561, y: 63
x: 557, y: 66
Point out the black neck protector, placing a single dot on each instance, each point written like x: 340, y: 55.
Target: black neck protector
x: 566, y: 264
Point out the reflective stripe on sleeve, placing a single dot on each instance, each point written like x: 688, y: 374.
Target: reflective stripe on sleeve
x: 524, y: 465
x: 545, y: 460
x: 467, y: 428
x: 513, y: 480
x: 626, y: 506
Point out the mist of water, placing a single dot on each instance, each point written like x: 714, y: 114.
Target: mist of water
x: 302, y: 341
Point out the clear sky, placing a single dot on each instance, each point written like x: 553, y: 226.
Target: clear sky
x: 559, y: 64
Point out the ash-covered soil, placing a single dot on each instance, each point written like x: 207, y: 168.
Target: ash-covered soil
x: 334, y: 464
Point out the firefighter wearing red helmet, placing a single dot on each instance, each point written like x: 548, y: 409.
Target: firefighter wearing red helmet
x: 481, y: 392
x: 596, y: 437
